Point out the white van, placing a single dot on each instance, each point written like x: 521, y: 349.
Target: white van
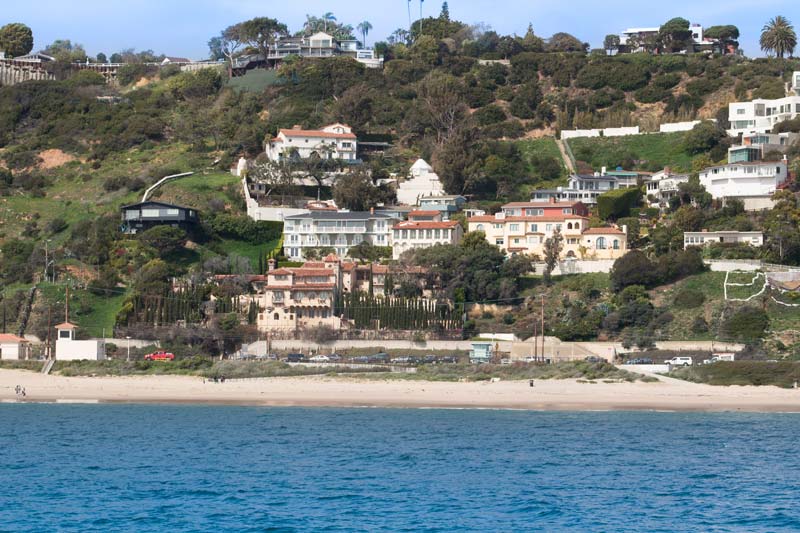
x: 679, y: 361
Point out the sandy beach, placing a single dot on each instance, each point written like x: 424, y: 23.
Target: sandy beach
x: 667, y: 395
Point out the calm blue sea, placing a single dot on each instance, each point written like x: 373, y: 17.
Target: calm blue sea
x: 194, y: 468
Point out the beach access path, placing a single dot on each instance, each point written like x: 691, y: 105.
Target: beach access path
x: 667, y: 395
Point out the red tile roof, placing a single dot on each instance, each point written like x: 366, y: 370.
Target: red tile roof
x: 542, y: 204
x: 603, y: 231
x: 7, y: 338
x: 548, y: 218
x: 316, y: 133
x: 425, y: 224
x: 312, y: 272
x: 66, y: 325
x: 423, y: 213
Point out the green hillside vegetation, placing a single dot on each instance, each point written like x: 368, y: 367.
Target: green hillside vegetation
x: 650, y: 152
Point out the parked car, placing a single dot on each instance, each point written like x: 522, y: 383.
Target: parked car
x: 320, y: 359
x: 449, y: 359
x: 381, y: 357
x: 505, y: 361
x: 679, y: 361
x: 361, y: 359
x: 295, y: 358
x: 160, y: 356
x: 400, y: 360
x: 335, y: 357
x: 594, y: 359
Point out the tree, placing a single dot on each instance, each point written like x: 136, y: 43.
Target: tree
x: 164, y: 239
x: 364, y: 28
x: 65, y: 51
x: 228, y: 43
x: 552, y: 252
x: 611, y: 43
x: 781, y: 223
x: 328, y: 17
x: 778, y: 37
x: 16, y: 39
x: 703, y: 137
x: 675, y: 35
x: 261, y: 33
x: 727, y: 35
x: 355, y: 191
x: 564, y: 42
x: 441, y: 98
x: 445, y: 13
x: 101, y: 58
x: 633, y: 268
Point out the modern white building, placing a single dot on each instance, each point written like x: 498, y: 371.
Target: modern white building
x: 68, y: 348
x: 336, y: 141
x: 14, y: 348
x: 706, y: 238
x: 760, y: 116
x: 752, y: 183
x: 318, y: 45
x: 339, y: 230
x: 424, y: 229
x: 796, y: 82
x: 422, y: 181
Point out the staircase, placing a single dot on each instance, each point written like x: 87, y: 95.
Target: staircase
x: 48, y: 366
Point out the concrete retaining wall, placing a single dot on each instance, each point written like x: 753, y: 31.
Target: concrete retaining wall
x: 606, y: 132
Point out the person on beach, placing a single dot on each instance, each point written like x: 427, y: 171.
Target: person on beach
x: 17, y: 389
x: 23, y: 392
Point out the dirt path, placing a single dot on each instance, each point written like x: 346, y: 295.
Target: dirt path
x: 565, y: 156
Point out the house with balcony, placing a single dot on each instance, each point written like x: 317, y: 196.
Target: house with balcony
x: 521, y: 229
x: 339, y: 230
x: 145, y: 215
x: 752, y: 183
x: 336, y: 141
x: 761, y: 115
x: 294, y: 298
x: 580, y: 188
x: 664, y: 185
x: 754, y: 146
x: 424, y: 229
x: 318, y: 45
x: 706, y: 238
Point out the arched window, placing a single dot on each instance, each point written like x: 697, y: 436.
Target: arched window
x: 601, y: 243
x: 276, y: 316
x: 479, y: 227
x: 569, y: 225
x: 616, y: 244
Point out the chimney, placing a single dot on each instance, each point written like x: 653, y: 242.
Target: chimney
x: 625, y: 229
x: 371, y: 210
x: 271, y: 265
x: 603, y: 171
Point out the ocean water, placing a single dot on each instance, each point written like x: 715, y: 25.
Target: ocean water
x: 197, y: 468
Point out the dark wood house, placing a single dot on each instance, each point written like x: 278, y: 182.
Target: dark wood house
x: 143, y: 216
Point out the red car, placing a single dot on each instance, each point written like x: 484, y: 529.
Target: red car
x: 160, y: 356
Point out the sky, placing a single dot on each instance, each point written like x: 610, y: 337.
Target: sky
x: 183, y: 27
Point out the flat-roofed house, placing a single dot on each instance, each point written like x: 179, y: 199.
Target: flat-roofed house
x: 145, y: 215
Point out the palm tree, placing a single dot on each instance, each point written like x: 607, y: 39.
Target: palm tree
x: 778, y: 37
x: 328, y: 17
x: 364, y: 28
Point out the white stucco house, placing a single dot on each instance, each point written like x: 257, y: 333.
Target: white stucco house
x: 13, y: 347
x: 68, y: 348
x: 336, y: 141
x: 340, y: 230
x: 422, y: 182
x: 752, y: 183
x: 705, y: 238
x: 424, y: 229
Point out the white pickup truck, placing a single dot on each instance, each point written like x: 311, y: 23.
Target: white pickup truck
x: 679, y: 361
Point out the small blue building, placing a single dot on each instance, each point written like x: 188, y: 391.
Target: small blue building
x: 481, y: 352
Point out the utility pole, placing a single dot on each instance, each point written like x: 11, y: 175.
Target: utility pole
x: 535, y: 341
x: 66, y: 307
x: 49, y: 350
x: 542, y: 327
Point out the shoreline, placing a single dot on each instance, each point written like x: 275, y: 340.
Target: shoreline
x: 667, y: 395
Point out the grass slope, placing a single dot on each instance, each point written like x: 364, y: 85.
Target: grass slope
x: 654, y: 151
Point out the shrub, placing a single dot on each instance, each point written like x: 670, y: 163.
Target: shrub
x: 633, y: 268
x: 491, y: 114
x: 246, y: 229
x: 617, y: 203
x: 747, y: 324
x: 688, y: 299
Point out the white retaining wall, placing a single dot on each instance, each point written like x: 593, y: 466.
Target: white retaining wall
x: 579, y: 266
x: 257, y: 212
x: 680, y: 126
x: 607, y: 132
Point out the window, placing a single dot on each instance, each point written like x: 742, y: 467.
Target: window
x: 740, y: 111
x: 534, y: 212
x: 479, y: 227
x: 534, y: 227
x: 514, y: 227
x: 567, y: 211
x: 548, y: 228
x: 276, y: 316
x: 616, y: 244
x: 498, y: 242
x: 516, y: 241
x: 601, y: 243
